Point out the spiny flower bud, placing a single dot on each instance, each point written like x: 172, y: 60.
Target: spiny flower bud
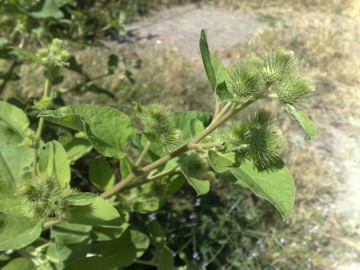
x: 294, y: 90
x: 43, y: 197
x: 156, y: 120
x: 53, y: 56
x: 235, y: 137
x: 274, y: 66
x: 243, y: 80
x: 264, y: 140
x: 194, y: 165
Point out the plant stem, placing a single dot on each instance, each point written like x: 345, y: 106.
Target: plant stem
x: 150, y: 179
x: 217, y: 106
x: 48, y: 224
x: 206, y: 145
x: 139, y: 172
x: 143, y: 153
x: 39, y: 130
x: 223, y: 110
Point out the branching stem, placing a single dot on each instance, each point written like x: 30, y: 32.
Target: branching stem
x: 37, y: 136
x: 139, y: 172
x: 143, y: 153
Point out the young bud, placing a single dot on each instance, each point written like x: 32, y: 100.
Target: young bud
x: 294, y: 90
x: 243, y: 80
x: 194, y: 165
x: 274, y: 66
x: 42, y: 196
x: 54, y: 56
x: 156, y: 121
x: 236, y: 137
x: 264, y: 140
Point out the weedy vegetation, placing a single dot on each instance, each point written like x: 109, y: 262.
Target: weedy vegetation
x: 48, y: 222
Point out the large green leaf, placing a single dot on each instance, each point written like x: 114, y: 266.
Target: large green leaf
x: 307, y: 126
x: 15, y: 159
x: 101, y: 174
x: 17, y: 232
x: 75, y: 147
x: 19, y: 263
x: 89, y: 263
x: 14, y: 117
x: 123, y: 251
x: 72, y: 241
x: 108, y: 129
x: 276, y: 186
x: 98, y: 213
x: 54, y: 162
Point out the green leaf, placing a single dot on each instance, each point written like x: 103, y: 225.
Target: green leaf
x: 106, y: 234
x: 307, y: 126
x: 123, y: 251
x: 99, y: 213
x: 224, y: 95
x: 19, y: 263
x: 75, y: 147
x: 150, y: 197
x: 17, y: 232
x: 196, y: 127
x: 46, y: 9
x: 219, y: 70
x: 9, y: 204
x: 89, y: 263
x: 15, y: 159
x: 165, y: 259
x: 201, y: 186
x: 13, y: 117
x: 81, y: 199
x: 182, y: 121
x: 126, y: 166
x: 72, y: 241
x: 157, y: 234
x: 53, y: 161
x: 206, y: 58
x: 101, y: 174
x: 113, y: 62
x: 108, y: 129
x: 276, y: 186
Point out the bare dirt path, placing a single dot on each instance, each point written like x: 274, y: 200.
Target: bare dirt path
x: 179, y: 28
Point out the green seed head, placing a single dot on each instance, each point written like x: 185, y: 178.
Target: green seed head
x: 156, y: 120
x: 243, y: 80
x: 294, y: 90
x: 274, y: 66
x: 42, y: 196
x: 264, y: 140
x: 54, y: 56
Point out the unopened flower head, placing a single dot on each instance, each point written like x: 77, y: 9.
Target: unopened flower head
x: 243, y: 80
x: 54, y: 55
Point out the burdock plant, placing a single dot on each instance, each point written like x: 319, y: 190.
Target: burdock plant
x: 156, y: 157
